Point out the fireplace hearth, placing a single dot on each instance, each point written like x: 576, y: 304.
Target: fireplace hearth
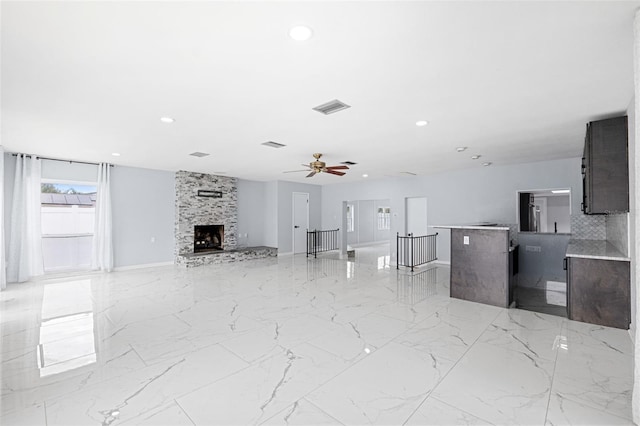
x: 208, y: 238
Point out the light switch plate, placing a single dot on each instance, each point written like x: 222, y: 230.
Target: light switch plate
x: 466, y: 240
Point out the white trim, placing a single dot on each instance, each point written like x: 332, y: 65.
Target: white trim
x: 143, y: 266
x: 442, y: 262
x: 286, y: 254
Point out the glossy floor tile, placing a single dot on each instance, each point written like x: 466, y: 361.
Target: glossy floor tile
x: 297, y: 341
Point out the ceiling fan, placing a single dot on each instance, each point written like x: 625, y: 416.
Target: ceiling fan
x: 318, y: 166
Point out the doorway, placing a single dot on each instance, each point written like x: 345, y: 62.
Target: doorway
x: 300, y: 221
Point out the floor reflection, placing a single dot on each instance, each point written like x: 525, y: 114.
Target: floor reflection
x: 67, y: 337
x: 418, y: 286
x: 549, y: 297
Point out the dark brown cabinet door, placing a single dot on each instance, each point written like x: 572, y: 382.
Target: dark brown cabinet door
x: 606, y: 167
x: 598, y: 291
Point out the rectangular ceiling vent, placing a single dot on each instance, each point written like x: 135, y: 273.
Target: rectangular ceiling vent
x: 348, y: 163
x: 273, y: 144
x: 199, y: 154
x: 331, y: 107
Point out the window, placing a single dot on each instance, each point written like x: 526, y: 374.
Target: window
x: 384, y: 218
x: 350, y: 218
x: 68, y: 212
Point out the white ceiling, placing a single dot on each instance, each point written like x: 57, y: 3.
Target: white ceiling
x: 513, y: 81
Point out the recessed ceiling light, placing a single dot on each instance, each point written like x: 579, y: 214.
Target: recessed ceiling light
x: 475, y: 157
x: 115, y: 154
x: 422, y: 123
x: 365, y: 175
x: 561, y: 191
x: 167, y: 119
x: 486, y: 164
x: 461, y: 148
x: 300, y: 33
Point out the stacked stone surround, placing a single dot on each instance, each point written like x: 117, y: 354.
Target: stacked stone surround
x: 193, y: 210
x: 247, y: 253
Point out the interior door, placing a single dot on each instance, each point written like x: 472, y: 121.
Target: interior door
x: 417, y: 216
x: 300, y: 221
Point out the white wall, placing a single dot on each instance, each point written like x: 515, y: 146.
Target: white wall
x: 285, y: 211
x: 463, y: 196
x: 633, y: 213
x: 558, y: 212
x: 143, y: 209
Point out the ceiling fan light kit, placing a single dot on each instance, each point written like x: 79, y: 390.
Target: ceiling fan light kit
x: 318, y: 166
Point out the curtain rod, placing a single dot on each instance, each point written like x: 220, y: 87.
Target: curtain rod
x: 64, y: 161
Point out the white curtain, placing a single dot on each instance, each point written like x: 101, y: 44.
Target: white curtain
x: 25, y: 237
x: 102, y: 253
x: 3, y: 270
x: 634, y: 262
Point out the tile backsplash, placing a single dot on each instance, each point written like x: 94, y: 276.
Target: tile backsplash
x: 588, y: 227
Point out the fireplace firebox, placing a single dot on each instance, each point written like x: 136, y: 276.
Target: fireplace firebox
x: 208, y: 238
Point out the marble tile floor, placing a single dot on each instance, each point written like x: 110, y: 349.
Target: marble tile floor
x: 297, y: 342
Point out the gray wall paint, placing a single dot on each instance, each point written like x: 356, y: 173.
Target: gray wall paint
x: 365, y: 227
x: 143, y: 208
x: 285, y: 211
x: 270, y: 232
x: 463, y: 196
x: 538, y: 267
x: 252, y: 219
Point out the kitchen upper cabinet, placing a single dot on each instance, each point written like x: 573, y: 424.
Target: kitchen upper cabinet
x: 605, y: 167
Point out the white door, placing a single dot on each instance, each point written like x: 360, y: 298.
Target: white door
x: 416, y: 216
x: 300, y: 221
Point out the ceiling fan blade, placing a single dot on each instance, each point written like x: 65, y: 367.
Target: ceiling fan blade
x: 337, y: 168
x: 295, y: 171
x: 333, y: 172
x: 306, y: 165
x: 311, y: 174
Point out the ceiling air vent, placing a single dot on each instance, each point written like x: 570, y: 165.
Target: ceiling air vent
x: 349, y: 163
x: 331, y: 107
x: 273, y: 144
x: 199, y: 154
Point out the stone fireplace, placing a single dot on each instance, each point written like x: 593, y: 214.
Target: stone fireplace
x: 206, y: 227
x: 195, y: 214
x: 208, y: 238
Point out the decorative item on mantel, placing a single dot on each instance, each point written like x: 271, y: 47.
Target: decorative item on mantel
x: 209, y: 193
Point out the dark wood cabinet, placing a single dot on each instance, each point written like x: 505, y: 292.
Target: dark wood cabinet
x: 605, y: 167
x: 598, y: 291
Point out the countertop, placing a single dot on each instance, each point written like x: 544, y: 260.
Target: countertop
x: 480, y: 226
x: 595, y: 249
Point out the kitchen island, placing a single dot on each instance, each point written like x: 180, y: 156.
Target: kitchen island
x: 482, y: 263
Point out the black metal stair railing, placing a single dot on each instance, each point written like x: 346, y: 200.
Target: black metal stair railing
x: 320, y: 241
x: 414, y: 251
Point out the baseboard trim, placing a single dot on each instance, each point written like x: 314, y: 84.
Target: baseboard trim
x: 143, y: 266
x: 285, y: 254
x: 442, y: 262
